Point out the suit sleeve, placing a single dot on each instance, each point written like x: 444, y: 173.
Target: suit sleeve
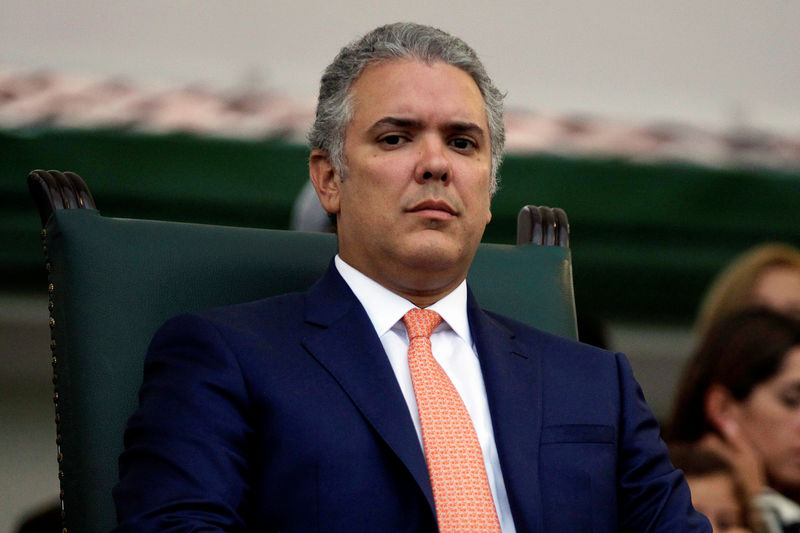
x: 184, y: 466
x: 653, y: 495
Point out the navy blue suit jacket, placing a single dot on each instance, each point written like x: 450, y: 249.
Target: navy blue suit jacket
x: 284, y: 414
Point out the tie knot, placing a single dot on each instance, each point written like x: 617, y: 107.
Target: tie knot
x: 421, y: 322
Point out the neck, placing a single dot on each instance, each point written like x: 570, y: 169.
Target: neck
x: 424, y: 292
x: 422, y: 287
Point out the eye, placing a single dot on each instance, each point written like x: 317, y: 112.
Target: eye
x: 788, y: 396
x: 392, y: 140
x: 791, y: 400
x: 463, y: 144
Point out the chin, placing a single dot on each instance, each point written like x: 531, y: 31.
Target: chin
x: 440, y: 249
x: 429, y: 262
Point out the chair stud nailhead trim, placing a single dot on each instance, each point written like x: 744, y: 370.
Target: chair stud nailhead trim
x: 51, y: 290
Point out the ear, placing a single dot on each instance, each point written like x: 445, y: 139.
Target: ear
x: 325, y: 179
x: 722, y: 410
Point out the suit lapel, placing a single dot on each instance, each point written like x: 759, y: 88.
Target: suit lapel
x: 347, y: 346
x: 512, y: 377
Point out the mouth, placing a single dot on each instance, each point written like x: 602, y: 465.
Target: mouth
x: 433, y: 208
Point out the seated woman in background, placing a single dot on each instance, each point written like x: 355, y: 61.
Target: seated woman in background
x: 716, y: 489
x: 767, y: 275
x: 740, y: 396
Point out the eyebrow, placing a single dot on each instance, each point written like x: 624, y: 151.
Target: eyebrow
x: 457, y: 126
x: 397, y: 123
x: 467, y: 127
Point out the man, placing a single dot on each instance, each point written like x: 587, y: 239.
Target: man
x: 326, y: 411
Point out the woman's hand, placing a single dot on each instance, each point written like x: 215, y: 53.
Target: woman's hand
x: 732, y: 445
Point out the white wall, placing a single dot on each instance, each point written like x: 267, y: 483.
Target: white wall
x: 704, y: 62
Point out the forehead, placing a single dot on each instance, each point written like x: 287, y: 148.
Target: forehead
x: 436, y: 92
x: 779, y: 279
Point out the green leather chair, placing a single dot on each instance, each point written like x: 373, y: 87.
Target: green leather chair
x: 112, y: 282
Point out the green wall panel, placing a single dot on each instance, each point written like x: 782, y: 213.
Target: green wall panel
x: 646, y: 238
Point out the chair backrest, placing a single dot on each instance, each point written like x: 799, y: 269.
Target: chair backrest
x: 113, y: 282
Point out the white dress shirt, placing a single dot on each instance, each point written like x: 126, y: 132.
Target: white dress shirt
x: 453, y: 349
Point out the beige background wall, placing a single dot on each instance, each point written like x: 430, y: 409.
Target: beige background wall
x: 711, y: 62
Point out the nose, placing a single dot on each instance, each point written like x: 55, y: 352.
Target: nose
x: 433, y: 164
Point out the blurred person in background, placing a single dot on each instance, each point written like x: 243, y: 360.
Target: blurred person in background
x: 717, y: 491
x: 740, y: 397
x: 767, y: 275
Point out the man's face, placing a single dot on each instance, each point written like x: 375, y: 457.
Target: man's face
x: 414, y: 202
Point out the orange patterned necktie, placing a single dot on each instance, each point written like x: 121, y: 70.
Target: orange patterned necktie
x: 455, y: 464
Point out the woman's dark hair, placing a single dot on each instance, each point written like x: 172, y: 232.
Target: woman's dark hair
x: 738, y: 353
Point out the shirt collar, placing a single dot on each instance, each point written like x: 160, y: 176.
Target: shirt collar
x: 385, y: 308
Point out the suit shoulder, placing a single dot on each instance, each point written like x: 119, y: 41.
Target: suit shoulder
x: 548, y: 342
x: 261, y: 316
x: 262, y: 308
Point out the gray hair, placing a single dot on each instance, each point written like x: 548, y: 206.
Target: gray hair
x: 397, y: 41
